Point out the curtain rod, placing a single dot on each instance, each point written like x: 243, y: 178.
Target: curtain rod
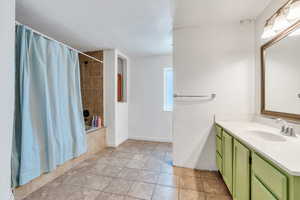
x: 49, y: 38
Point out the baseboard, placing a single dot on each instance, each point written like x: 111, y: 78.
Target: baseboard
x: 150, y: 139
x: 11, y: 196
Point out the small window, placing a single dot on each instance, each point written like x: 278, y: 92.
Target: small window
x: 168, y: 89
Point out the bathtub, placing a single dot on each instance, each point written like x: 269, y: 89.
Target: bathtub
x: 96, y: 141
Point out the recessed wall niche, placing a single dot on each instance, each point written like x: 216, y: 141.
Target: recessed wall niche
x: 91, y: 80
x: 122, y: 79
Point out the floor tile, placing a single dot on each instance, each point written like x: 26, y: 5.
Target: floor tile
x: 111, y: 171
x: 135, y: 164
x: 129, y: 174
x: 190, y: 172
x: 141, y: 190
x: 65, y: 192
x: 118, y: 186
x: 153, y: 165
x: 148, y: 176
x: 211, y: 185
x: 109, y: 196
x: 168, y: 180
x: 218, y: 197
x: 137, y: 170
x: 95, y: 169
x: 89, y: 180
x: 191, y: 195
x: 209, y: 174
x: 191, y: 183
x: 167, y: 168
x: 158, y: 154
x: 141, y: 157
x: 131, y: 198
x: 123, y: 155
x: 78, y: 194
x: 119, y: 162
x: 165, y: 193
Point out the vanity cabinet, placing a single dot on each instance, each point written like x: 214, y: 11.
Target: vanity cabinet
x: 219, y: 148
x: 241, y: 171
x: 227, y: 144
x: 266, y: 179
x: 250, y: 176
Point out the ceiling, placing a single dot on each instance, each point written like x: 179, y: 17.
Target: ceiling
x: 197, y: 12
x: 136, y: 27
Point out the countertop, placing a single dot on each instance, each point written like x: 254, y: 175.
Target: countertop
x: 285, y: 154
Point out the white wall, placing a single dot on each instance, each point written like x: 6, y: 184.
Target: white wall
x: 115, y: 113
x: 212, y: 58
x: 7, y: 50
x: 147, y: 119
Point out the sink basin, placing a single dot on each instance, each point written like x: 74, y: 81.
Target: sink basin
x: 268, y: 136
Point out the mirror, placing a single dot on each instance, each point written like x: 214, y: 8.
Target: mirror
x: 281, y: 75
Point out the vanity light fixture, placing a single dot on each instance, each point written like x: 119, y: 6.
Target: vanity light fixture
x: 281, y: 22
x: 268, y: 30
x: 286, y: 16
x: 294, y: 10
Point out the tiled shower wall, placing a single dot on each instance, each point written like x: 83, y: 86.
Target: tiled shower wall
x: 92, y: 84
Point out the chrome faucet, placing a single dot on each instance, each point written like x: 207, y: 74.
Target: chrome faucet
x: 286, y: 129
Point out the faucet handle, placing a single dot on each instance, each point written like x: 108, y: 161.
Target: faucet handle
x: 283, y: 129
x: 292, y: 132
x: 287, y: 130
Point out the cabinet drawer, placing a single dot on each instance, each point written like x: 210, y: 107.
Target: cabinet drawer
x: 219, y: 146
x: 219, y: 131
x: 219, y: 163
x: 270, y: 177
x: 259, y: 192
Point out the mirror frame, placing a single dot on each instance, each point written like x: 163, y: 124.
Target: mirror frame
x: 273, y: 41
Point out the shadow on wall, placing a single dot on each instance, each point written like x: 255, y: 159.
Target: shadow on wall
x: 207, y: 153
x: 204, y: 151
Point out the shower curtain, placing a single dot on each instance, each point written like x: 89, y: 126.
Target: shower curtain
x: 49, y: 126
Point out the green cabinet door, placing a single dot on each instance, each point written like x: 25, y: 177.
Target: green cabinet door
x: 241, y: 172
x: 259, y: 191
x: 227, y: 142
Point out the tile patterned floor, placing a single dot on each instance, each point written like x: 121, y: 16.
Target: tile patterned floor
x: 134, y: 171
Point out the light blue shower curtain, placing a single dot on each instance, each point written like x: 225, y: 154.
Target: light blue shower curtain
x: 49, y: 126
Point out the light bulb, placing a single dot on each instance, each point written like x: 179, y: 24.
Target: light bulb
x: 294, y: 11
x: 268, y: 32
x: 280, y: 23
